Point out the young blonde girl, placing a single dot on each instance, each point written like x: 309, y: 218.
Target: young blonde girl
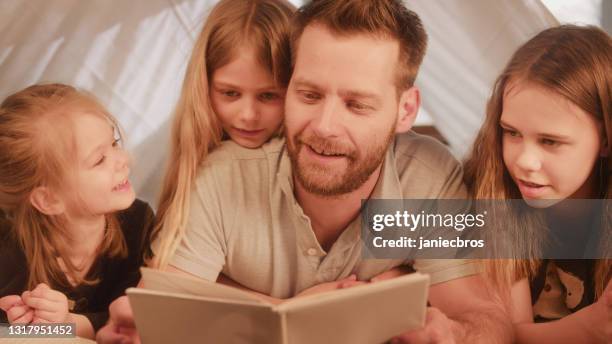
x: 234, y: 88
x: 70, y: 226
x: 546, y: 138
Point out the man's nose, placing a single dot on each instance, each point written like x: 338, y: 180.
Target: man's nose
x: 327, y: 123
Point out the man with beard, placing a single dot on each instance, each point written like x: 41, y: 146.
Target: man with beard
x: 283, y: 220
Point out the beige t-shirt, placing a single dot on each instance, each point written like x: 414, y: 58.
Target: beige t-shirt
x: 244, y: 220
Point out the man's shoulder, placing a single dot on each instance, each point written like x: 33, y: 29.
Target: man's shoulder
x: 426, y: 168
x: 422, y: 152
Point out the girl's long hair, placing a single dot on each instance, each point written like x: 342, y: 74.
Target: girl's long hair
x: 576, y: 63
x: 261, y: 24
x: 37, y: 150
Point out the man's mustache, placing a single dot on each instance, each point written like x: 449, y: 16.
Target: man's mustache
x: 327, y: 146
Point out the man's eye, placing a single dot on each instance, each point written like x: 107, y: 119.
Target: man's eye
x: 358, y: 106
x: 549, y: 142
x: 309, y: 97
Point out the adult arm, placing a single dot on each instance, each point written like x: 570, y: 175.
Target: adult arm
x: 464, y: 310
x: 476, y: 313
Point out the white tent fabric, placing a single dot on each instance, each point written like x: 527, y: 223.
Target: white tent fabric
x: 132, y: 55
x: 470, y: 42
x: 593, y: 12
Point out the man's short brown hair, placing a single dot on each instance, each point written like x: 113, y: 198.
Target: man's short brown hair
x: 382, y: 18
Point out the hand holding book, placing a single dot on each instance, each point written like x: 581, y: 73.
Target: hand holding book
x: 186, y: 309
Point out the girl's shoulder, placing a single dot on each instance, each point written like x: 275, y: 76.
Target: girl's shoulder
x: 138, y: 215
x: 9, y: 246
x: 5, y: 226
x: 13, y: 276
x: 137, y: 223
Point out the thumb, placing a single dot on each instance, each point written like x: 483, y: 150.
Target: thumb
x: 42, y: 287
x: 121, y: 312
x: 9, y: 301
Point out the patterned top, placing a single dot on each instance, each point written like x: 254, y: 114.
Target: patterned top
x: 562, y: 287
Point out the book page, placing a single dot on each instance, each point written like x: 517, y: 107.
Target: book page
x: 371, y: 313
x: 185, y: 284
x: 163, y: 317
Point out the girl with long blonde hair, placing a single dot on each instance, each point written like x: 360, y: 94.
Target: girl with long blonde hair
x: 546, y: 138
x: 234, y: 89
x: 70, y: 227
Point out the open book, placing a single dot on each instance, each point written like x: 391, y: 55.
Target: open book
x: 173, y: 308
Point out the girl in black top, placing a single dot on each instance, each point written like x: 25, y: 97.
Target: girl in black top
x: 72, y: 236
x: 547, y: 142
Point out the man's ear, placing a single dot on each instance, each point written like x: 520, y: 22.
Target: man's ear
x: 409, y: 103
x: 47, y: 202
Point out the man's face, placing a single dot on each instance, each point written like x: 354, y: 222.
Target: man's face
x: 341, y: 109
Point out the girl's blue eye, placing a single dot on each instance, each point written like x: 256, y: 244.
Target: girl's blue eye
x: 267, y: 96
x: 230, y: 94
x: 509, y: 132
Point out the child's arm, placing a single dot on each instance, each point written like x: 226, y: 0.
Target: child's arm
x: 522, y: 311
x: 120, y: 327
x: 589, y: 325
x: 583, y: 326
x: 84, y: 328
x: 16, y: 311
x: 45, y: 305
x: 51, y: 306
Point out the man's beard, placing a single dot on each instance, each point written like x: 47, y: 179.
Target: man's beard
x: 328, y: 181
